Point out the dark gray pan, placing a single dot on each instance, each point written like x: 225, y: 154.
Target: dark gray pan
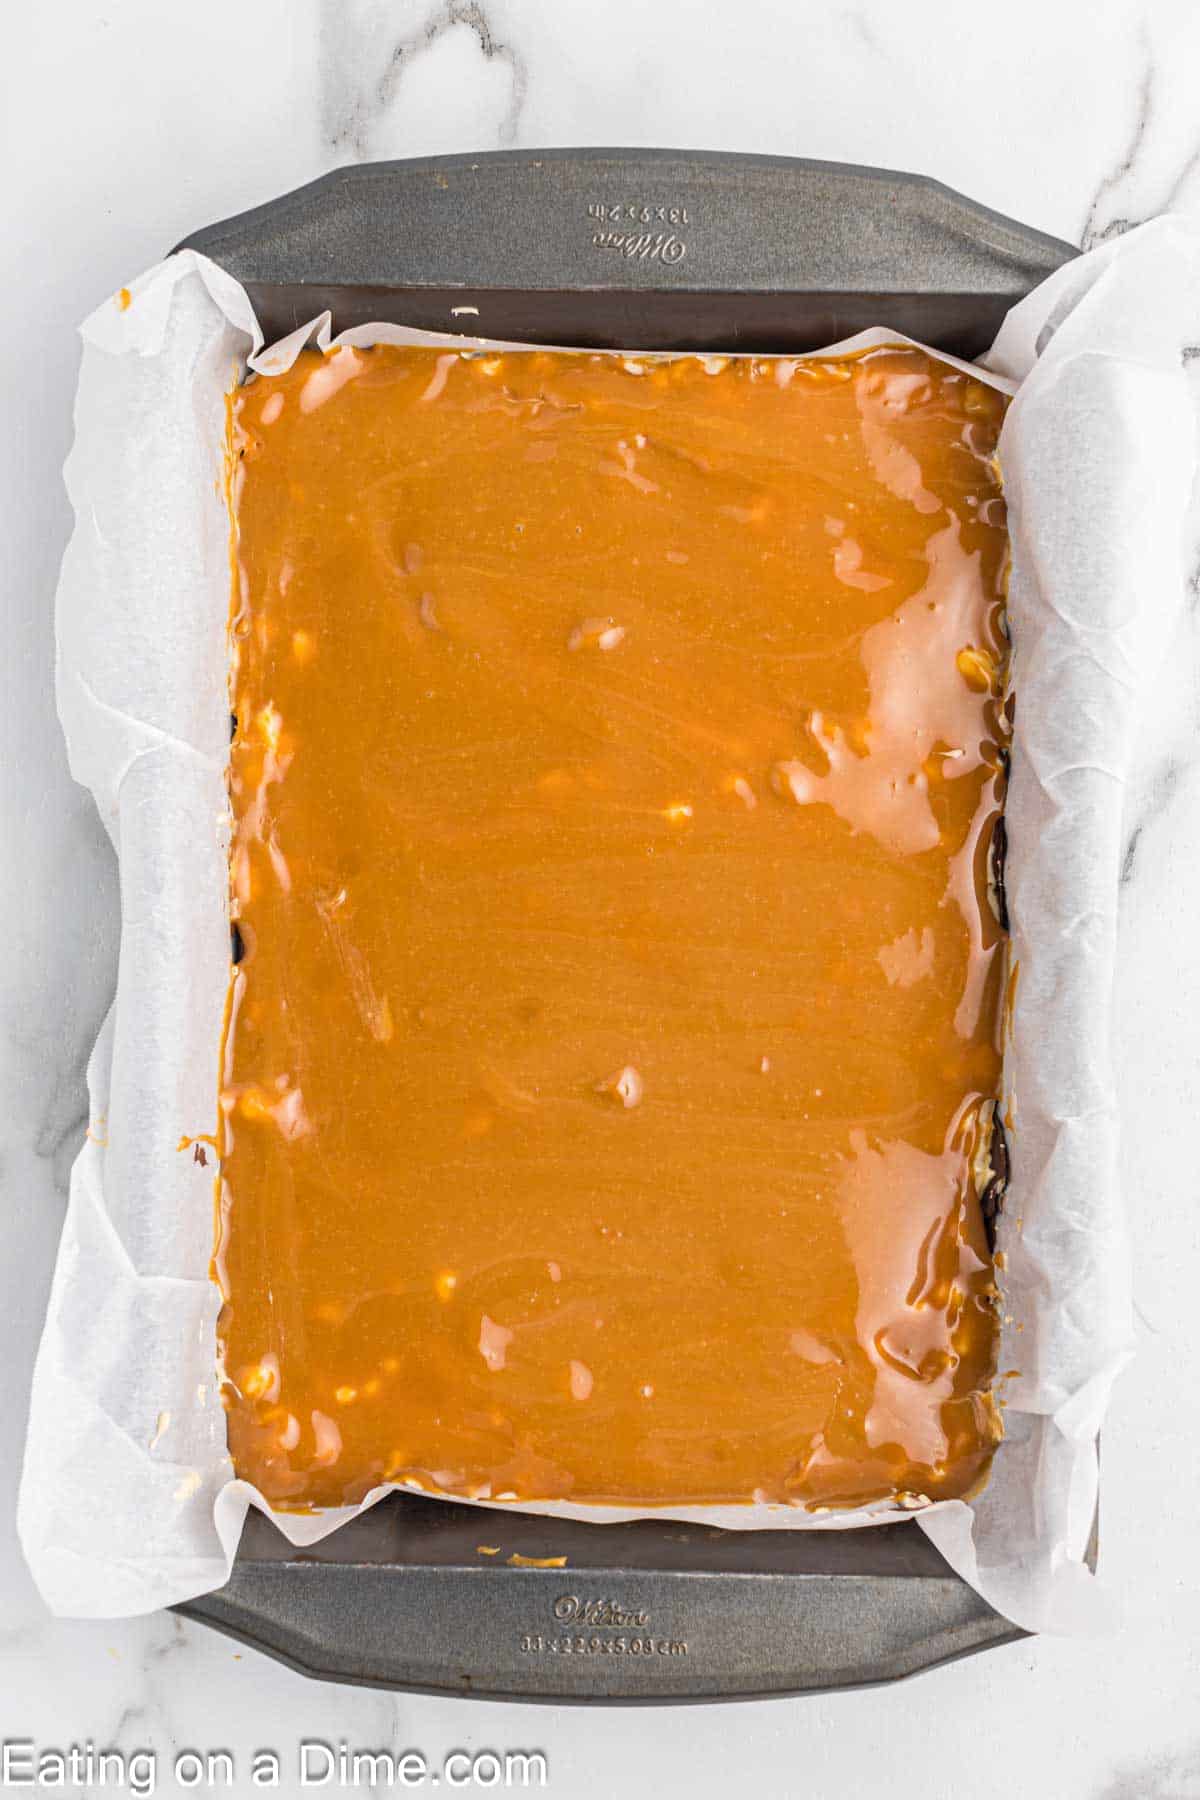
x: 655, y: 249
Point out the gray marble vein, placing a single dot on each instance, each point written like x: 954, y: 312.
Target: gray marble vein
x: 1160, y: 791
x: 364, y: 69
x: 1158, y: 169
x: 1171, y: 1776
x: 1098, y: 227
x: 855, y: 17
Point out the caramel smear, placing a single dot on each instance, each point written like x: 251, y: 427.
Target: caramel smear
x: 528, y: 910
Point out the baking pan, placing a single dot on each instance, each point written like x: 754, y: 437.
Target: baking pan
x: 653, y: 249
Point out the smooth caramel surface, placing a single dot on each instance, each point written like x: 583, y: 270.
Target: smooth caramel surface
x: 617, y: 748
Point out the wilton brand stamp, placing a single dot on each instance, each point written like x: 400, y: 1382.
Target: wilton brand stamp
x: 640, y: 232
x: 600, y: 1628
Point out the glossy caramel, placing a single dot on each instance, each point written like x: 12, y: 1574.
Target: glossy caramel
x: 617, y: 747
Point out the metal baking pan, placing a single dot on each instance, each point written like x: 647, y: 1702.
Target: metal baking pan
x: 654, y: 249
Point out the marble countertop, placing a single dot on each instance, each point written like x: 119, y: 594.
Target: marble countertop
x: 125, y: 129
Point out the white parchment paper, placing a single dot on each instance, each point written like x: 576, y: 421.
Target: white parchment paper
x: 128, y: 1500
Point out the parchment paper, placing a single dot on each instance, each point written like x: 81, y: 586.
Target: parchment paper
x: 128, y: 1500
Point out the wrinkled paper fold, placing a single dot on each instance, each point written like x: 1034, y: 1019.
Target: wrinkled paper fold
x: 128, y: 1500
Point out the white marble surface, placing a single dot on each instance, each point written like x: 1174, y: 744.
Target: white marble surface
x: 121, y: 133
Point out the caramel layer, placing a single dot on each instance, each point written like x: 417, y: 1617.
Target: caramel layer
x: 618, y: 746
